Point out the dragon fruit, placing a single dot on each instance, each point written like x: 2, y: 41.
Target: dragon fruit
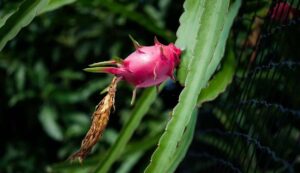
x: 283, y: 11
x: 146, y: 66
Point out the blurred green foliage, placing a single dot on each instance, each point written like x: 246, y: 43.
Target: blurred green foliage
x: 46, y: 99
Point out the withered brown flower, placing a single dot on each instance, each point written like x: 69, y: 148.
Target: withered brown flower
x: 99, y: 121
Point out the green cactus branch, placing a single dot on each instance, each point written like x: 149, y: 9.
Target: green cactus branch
x: 212, y: 22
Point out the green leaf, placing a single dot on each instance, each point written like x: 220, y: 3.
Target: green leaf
x: 20, y: 77
x: 211, y: 23
x: 139, y: 18
x: 6, y: 16
x: 220, y: 81
x: 188, y: 29
x: 129, y: 162
x: 21, y: 18
x: 80, y: 94
x: 140, y: 109
x: 55, y: 4
x: 7, y: 10
x: 219, y: 53
x: 184, y: 144
x: 21, y: 96
x: 141, y: 145
x: 47, y: 117
x: 294, y: 3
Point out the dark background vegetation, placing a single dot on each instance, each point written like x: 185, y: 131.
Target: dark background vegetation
x: 255, y: 125
x: 46, y: 100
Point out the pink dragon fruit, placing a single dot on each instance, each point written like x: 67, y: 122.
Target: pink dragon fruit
x: 283, y: 11
x: 146, y: 66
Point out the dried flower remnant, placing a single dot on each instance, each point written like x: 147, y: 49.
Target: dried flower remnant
x: 99, y: 121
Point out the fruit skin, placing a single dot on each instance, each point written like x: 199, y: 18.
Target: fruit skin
x: 283, y: 11
x: 146, y: 66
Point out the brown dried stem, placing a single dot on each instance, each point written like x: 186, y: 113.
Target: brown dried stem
x: 99, y: 121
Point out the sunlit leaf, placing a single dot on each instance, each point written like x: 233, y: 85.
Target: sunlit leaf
x: 220, y: 81
x: 25, y: 14
x: 188, y: 29
x: 183, y: 145
x: 55, y: 4
x: 207, y: 37
x: 48, y: 119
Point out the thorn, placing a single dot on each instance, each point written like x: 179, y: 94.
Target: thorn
x: 154, y: 72
x: 156, y: 42
x: 80, y: 160
x: 140, y: 51
x: 171, y: 74
x: 95, y: 69
x: 133, y: 96
x: 76, y: 157
x: 105, y: 90
x: 135, y: 43
x: 170, y: 114
x: 162, y: 53
x: 178, y: 144
x: 157, y: 88
x: 112, y: 70
x: 118, y: 60
x: 111, y: 62
x: 172, y: 77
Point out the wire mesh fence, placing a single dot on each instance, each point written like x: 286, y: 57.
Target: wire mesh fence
x: 255, y: 125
